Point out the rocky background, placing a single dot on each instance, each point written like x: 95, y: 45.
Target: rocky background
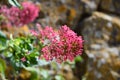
x: 98, y: 21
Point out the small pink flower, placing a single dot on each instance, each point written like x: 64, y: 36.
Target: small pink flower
x: 33, y: 32
x: 47, y: 34
x: 23, y: 59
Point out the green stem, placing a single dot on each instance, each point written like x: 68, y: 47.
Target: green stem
x: 3, y: 76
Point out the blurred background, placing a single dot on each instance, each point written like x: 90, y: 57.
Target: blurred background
x: 98, y: 21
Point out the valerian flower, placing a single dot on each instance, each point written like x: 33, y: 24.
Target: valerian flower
x: 62, y: 45
x: 19, y: 17
x: 28, y: 13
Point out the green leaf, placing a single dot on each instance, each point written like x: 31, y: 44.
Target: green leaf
x: 14, y: 3
x: 2, y: 34
x: 44, y: 73
x: 3, y: 40
x: 78, y: 59
x: 33, y: 60
x: 33, y: 54
x: 59, y: 77
x: 2, y: 68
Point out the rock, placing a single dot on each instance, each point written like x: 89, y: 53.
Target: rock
x: 67, y: 73
x: 101, y: 65
x: 4, y: 2
x: 57, y: 13
x: 111, y: 6
x: 100, y: 26
x: 90, y: 5
x: 101, y: 32
x: 96, y: 46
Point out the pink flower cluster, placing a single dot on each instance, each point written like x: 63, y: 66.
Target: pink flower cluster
x: 19, y: 17
x: 61, y: 45
x: 48, y: 35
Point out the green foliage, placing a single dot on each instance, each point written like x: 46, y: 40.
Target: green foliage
x: 34, y: 73
x: 21, y: 51
x: 3, y: 40
x: 45, y: 73
x: 2, y: 68
x: 59, y: 77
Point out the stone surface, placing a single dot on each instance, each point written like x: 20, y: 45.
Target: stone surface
x: 100, y: 26
x: 56, y: 13
x: 101, y: 33
x: 90, y: 5
x: 111, y: 6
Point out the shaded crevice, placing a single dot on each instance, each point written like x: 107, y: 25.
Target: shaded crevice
x: 100, y: 9
x: 79, y: 27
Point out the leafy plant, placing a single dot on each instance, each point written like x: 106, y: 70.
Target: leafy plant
x: 21, y: 52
